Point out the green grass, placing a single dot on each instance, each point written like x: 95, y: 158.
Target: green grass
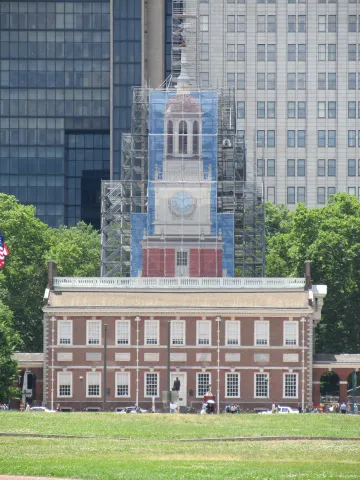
x: 151, y: 455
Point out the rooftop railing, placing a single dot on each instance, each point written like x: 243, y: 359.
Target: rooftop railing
x: 177, y: 283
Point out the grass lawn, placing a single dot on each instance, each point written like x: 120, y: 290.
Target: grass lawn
x: 154, y: 453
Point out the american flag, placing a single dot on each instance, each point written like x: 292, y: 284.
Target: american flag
x: 4, y: 251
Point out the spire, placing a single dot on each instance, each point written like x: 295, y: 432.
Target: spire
x: 183, y: 81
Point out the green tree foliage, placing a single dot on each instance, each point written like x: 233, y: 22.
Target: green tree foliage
x: 330, y: 238
x: 31, y: 244
x: 8, y: 342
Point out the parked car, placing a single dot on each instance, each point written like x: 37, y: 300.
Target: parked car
x: 41, y: 409
x: 281, y: 410
x: 132, y: 409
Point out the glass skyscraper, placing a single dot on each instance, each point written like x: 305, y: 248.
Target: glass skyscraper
x: 66, y: 73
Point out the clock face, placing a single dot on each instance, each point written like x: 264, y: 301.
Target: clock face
x: 182, y: 203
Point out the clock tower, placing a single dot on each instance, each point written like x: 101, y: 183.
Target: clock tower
x: 183, y: 242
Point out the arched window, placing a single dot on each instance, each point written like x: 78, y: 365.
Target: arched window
x: 196, y: 137
x: 170, y: 137
x: 183, y: 137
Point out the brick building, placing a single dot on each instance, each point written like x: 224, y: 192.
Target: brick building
x: 250, y: 339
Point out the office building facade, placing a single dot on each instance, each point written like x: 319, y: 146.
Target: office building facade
x: 294, y: 67
x: 67, y: 70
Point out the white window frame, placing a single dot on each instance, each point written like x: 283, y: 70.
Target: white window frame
x: 268, y: 385
x: 197, y: 382
x: 62, y: 322
x: 227, y: 324
x: 117, y: 383
x: 291, y: 322
x: 183, y: 323
x: 296, y: 375
x: 258, y: 322
x: 146, y: 327
x: 87, y: 331
x: 227, y: 374
x: 59, y: 375
x: 89, y: 374
x: 204, y: 322
x: 157, y: 384
x: 125, y: 322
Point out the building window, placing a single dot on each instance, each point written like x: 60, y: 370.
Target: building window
x: 291, y: 138
x: 241, y: 52
x: 301, y: 110
x: 181, y: 259
x: 351, y: 138
x: 123, y: 332
x: 195, y: 138
x: 291, y: 81
x: 204, y: 23
x: 321, y: 167
x: 233, y: 384
x: 261, y: 385
x: 231, y: 52
x: 203, y: 332
x: 331, y: 167
x: 351, y: 109
x: 331, y: 191
x: 292, y: 52
x: 261, y: 332
x: 203, y: 380
x: 260, y: 167
x: 64, y: 384
x: 271, y: 53
x: 301, y: 138
x: 302, y: 23
x: 183, y: 137
x: 231, y: 80
x: 291, y: 333
x: 240, y: 109
x: 204, y: 51
x: 321, y: 195
x: 241, y: 25
x: 93, y: 384
x: 271, y: 81
x: 332, y: 52
x: 352, y: 81
x: 321, y: 109
x: 332, y: 81
x: 170, y: 136
x: 321, y: 23
x: 290, y: 195
x: 290, y: 385
x: 352, y: 23
x: 271, y: 110
x: 291, y: 167
x: 270, y: 194
x: 301, y: 194
x: 302, y: 52
x: 271, y: 167
x: 301, y: 167
x: 271, y: 138
x: 321, y: 81
x: 204, y: 79
x: 332, y: 23
x: 177, y: 332
x: 322, y: 53
x: 291, y: 23
x: 93, y: 332
x: 352, y: 190
x: 241, y: 81
x: 331, y: 109
x: 232, y: 332
x: 301, y: 81
x: 64, y: 332
x: 122, y: 387
x: 260, y: 109
x: 271, y: 23
x: 352, y: 52
x: 331, y: 138
x: 260, y: 138
x: 261, y: 53
x: 261, y: 23
x: 321, y: 138
x: 230, y: 23
x: 351, y: 167
x: 151, y: 385
x: 151, y: 332
x: 291, y: 109
x: 261, y: 81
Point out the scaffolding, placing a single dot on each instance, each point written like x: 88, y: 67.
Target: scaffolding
x: 236, y: 204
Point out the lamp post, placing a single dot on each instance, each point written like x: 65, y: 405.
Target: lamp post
x: 81, y: 378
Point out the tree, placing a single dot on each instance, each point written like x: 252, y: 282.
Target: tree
x: 8, y: 343
x: 76, y: 250
x: 24, y: 277
x: 330, y: 238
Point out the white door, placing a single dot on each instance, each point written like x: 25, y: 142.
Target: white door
x: 182, y: 263
x: 182, y: 392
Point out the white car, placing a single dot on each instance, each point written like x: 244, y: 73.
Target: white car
x: 41, y: 409
x: 281, y: 410
x: 131, y: 410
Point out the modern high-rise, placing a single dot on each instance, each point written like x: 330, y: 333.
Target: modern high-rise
x: 66, y: 74
x: 294, y: 65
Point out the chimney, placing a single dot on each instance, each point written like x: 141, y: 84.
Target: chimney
x: 52, y: 270
x: 308, y: 284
